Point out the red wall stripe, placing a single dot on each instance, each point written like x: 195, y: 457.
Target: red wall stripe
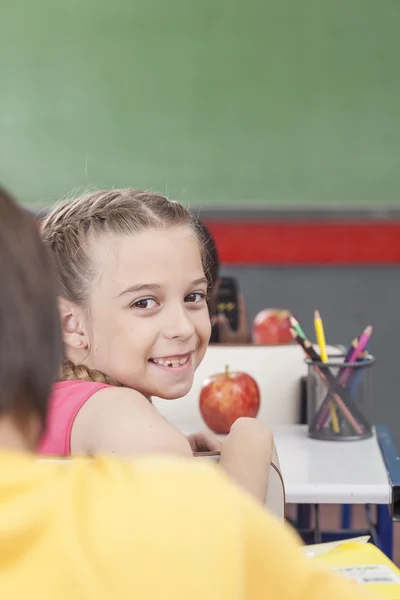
x: 307, y: 243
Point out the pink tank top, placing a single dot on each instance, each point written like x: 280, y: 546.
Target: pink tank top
x: 66, y: 400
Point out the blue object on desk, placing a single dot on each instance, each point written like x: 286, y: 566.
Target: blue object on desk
x: 382, y: 531
x: 392, y: 461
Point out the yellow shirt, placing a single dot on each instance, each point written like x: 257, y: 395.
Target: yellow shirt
x: 147, y: 529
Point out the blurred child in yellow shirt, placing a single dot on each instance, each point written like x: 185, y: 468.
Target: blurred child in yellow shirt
x: 151, y: 528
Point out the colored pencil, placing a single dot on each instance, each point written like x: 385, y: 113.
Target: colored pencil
x: 349, y: 352
x: 297, y: 327
x: 319, y: 330
x: 324, y: 411
x: 351, y: 349
x: 354, y: 378
x: 362, y: 343
x: 322, y: 372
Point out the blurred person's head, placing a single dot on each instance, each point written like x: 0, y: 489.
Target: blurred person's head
x: 133, y: 290
x: 30, y: 335
x: 213, y: 264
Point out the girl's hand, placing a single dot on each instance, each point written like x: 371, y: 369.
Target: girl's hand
x: 204, y: 441
x: 253, y: 427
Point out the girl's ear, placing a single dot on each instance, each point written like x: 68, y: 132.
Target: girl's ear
x: 72, y: 324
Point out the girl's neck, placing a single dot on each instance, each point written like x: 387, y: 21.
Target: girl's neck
x: 13, y: 438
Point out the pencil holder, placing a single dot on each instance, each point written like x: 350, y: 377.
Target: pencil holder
x: 339, y: 399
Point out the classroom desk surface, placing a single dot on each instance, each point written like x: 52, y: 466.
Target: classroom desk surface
x: 331, y: 472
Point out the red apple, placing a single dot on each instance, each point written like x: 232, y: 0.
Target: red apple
x: 225, y: 397
x: 272, y: 326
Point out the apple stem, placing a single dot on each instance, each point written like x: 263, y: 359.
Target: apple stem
x: 227, y: 374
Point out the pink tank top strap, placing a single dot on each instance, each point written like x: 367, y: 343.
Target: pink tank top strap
x: 66, y: 400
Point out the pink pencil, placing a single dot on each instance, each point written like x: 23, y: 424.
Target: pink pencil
x: 362, y: 343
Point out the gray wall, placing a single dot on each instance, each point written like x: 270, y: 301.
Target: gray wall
x: 349, y: 299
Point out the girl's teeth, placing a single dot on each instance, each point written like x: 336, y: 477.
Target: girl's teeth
x: 171, y: 363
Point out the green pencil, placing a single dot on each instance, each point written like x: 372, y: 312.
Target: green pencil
x: 297, y: 327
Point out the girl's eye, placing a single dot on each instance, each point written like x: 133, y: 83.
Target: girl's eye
x: 195, y: 297
x: 144, y: 303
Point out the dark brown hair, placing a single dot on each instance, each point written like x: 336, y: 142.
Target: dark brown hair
x: 30, y: 332
x: 212, y: 254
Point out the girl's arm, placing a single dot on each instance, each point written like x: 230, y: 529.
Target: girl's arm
x: 121, y: 421
x: 246, y: 456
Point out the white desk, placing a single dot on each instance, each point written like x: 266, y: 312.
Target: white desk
x: 317, y: 472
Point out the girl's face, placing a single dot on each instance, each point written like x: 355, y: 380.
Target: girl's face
x: 148, y: 323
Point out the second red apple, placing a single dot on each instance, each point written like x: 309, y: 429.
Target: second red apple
x: 272, y: 326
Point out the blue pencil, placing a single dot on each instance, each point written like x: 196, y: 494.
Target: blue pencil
x: 353, y: 382
x: 351, y: 349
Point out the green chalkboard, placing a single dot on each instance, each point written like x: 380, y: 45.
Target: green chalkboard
x: 224, y: 101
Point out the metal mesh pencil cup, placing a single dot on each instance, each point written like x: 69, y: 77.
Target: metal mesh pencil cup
x: 339, y: 399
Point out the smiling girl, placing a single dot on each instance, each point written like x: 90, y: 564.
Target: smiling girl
x: 133, y: 303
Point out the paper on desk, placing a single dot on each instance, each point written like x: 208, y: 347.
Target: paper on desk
x: 364, y: 564
x: 316, y: 549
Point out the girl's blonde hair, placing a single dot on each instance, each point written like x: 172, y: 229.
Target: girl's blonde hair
x: 72, y: 224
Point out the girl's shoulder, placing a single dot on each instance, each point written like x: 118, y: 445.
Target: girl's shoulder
x: 123, y: 421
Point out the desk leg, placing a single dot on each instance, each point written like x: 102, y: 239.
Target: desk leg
x: 317, y: 528
x: 303, y: 520
x: 347, y: 513
x: 384, y: 529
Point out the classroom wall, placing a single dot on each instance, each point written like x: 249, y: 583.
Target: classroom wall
x: 222, y: 102
x: 349, y: 298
